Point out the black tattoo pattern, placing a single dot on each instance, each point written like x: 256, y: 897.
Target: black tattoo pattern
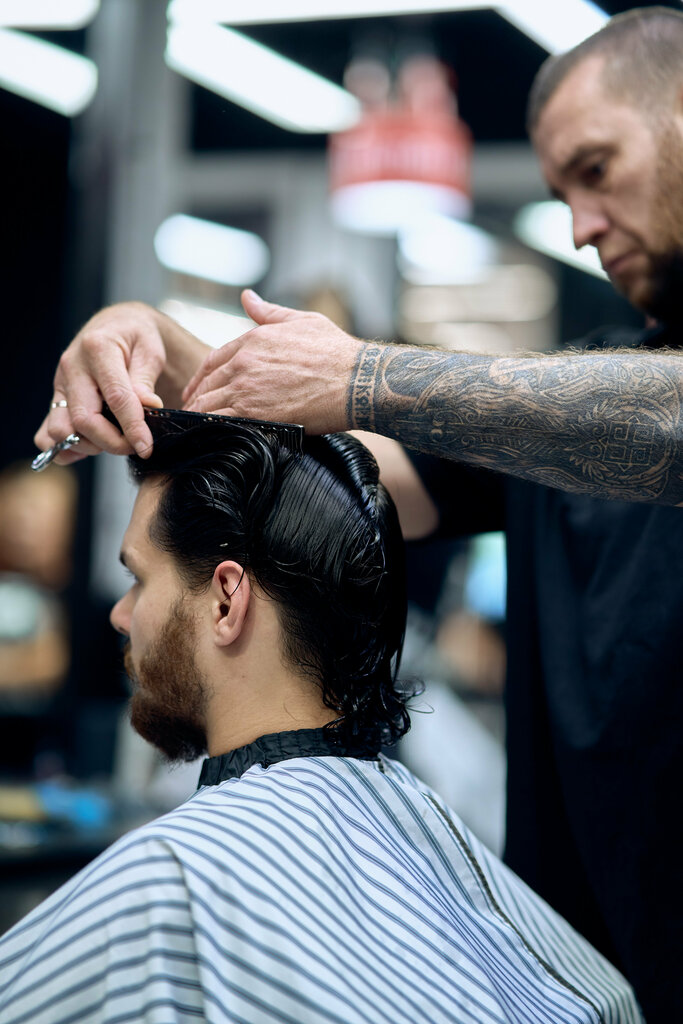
x: 605, y: 424
x: 361, y: 395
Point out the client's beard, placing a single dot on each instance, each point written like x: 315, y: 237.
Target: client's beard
x: 169, y: 700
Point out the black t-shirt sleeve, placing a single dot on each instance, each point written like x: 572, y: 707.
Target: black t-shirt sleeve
x: 469, y: 500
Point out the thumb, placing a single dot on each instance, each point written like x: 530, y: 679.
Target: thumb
x: 148, y: 395
x: 262, y: 312
x: 144, y: 370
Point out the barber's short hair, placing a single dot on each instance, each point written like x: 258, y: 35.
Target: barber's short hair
x: 318, y: 533
x: 643, y: 52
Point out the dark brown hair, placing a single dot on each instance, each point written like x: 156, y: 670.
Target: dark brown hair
x: 318, y: 533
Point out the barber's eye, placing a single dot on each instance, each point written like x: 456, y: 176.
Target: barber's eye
x: 595, y: 171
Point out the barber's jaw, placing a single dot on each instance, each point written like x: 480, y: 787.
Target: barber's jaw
x: 622, y: 178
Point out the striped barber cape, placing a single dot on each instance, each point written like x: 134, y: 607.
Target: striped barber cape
x: 326, y: 889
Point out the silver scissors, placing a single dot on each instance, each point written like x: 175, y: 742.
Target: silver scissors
x: 43, y: 460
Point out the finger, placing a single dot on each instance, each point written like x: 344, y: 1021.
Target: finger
x: 58, y: 420
x: 216, y: 401
x: 76, y: 454
x: 215, y: 359
x: 58, y: 423
x: 44, y: 439
x: 71, y: 456
x: 85, y: 419
x: 144, y: 372
x: 82, y: 414
x: 263, y: 312
x: 209, y: 379
x: 110, y: 370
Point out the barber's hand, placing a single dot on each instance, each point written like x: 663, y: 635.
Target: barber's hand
x: 294, y: 366
x: 117, y: 356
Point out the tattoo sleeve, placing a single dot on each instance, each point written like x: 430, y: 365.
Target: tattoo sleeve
x: 607, y: 424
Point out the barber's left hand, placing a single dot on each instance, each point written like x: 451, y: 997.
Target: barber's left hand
x: 294, y: 366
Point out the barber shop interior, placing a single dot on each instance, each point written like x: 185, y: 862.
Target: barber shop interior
x: 452, y: 250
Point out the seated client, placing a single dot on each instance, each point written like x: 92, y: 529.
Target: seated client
x: 310, y: 878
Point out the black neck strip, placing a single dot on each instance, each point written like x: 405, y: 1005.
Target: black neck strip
x: 281, y: 746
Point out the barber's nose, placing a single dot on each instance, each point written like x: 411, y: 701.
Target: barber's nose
x: 589, y: 223
x: 120, y: 616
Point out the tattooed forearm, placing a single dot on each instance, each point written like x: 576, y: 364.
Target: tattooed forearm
x: 609, y: 424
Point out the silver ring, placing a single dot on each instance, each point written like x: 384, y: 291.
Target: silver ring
x: 61, y: 404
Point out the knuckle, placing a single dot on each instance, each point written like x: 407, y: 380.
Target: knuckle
x: 116, y: 395
x: 80, y: 418
x: 239, y: 365
x: 64, y: 362
x: 95, y: 342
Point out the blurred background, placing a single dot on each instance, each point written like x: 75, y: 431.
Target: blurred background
x: 368, y: 160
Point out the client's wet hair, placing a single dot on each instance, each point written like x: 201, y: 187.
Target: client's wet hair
x: 318, y: 533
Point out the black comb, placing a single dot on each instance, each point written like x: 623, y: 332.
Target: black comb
x: 288, y: 435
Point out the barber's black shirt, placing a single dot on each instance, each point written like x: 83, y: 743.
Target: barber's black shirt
x: 594, y: 702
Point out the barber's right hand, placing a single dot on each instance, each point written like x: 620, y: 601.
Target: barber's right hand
x: 117, y: 357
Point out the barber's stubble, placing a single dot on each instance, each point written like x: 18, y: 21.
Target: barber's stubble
x: 664, y: 300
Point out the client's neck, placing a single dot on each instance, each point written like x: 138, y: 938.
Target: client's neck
x: 298, y: 706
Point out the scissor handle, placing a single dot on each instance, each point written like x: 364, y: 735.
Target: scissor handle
x: 43, y: 460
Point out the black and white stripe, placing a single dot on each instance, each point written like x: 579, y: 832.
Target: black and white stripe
x: 321, y: 889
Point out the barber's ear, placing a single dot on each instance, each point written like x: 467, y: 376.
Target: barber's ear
x: 230, y: 596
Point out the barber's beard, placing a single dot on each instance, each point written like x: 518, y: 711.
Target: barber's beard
x: 169, y: 700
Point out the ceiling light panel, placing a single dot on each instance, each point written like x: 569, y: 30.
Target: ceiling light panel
x: 556, y: 26
x: 45, y: 73
x: 259, y: 79
x: 252, y: 12
x: 211, y: 251
x: 47, y: 14
x: 439, y: 251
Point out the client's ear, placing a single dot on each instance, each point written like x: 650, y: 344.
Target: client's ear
x: 230, y: 596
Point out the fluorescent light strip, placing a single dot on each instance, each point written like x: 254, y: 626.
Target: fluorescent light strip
x: 252, y: 12
x: 211, y: 251
x: 440, y: 250
x: 547, y: 227
x: 45, y: 73
x: 259, y: 79
x: 556, y: 25
x: 48, y: 14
